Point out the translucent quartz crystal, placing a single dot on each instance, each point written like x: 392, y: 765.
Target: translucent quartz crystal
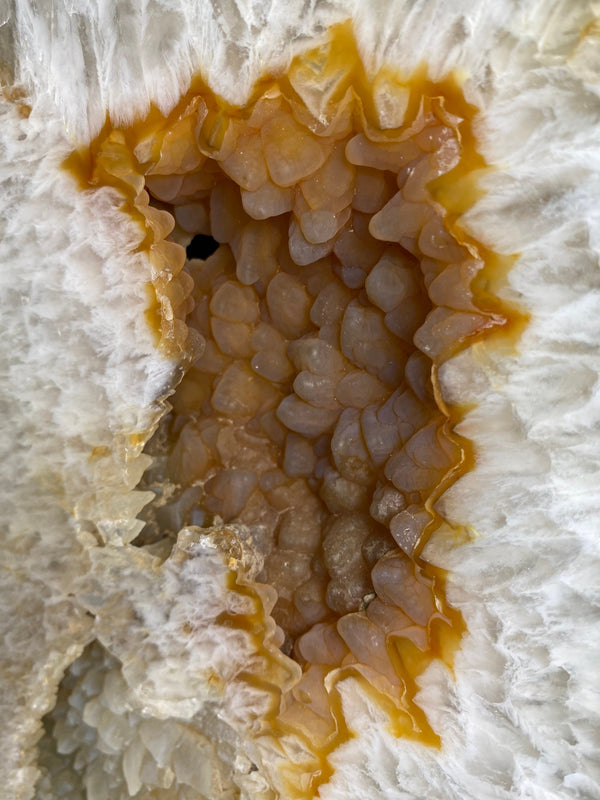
x: 309, y: 416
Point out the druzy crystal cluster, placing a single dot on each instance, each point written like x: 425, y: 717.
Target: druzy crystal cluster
x: 305, y: 514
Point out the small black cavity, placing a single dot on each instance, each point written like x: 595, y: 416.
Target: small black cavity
x: 201, y: 246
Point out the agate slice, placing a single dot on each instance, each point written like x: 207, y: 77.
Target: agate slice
x: 290, y: 531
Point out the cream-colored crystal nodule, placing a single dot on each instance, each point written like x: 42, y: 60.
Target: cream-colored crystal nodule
x: 309, y: 509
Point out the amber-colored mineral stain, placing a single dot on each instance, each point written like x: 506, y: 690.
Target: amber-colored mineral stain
x: 342, y: 282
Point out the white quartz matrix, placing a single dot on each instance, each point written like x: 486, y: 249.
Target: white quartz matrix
x: 144, y: 709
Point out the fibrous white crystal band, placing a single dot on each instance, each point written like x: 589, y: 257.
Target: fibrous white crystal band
x: 82, y: 372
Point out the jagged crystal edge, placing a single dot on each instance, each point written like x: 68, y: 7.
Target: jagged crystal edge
x: 83, y: 387
x: 523, y: 715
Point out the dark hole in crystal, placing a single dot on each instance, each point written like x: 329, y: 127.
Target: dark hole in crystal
x: 201, y: 246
